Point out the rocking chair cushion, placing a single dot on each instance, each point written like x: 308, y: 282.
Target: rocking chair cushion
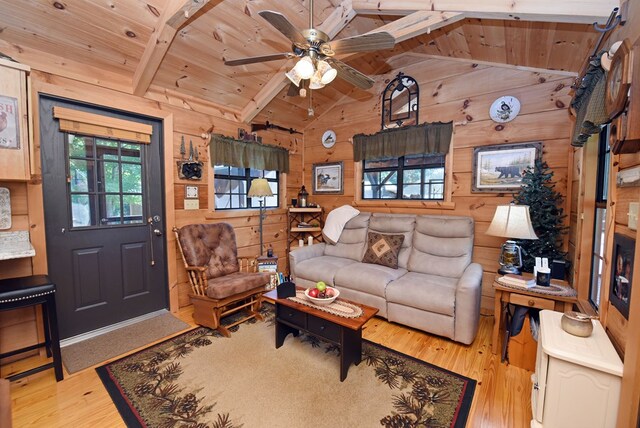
x: 236, y: 283
x: 210, y: 245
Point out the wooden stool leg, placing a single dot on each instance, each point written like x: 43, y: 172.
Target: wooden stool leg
x: 46, y: 328
x: 52, y: 325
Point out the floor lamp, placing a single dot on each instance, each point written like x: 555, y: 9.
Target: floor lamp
x: 260, y: 189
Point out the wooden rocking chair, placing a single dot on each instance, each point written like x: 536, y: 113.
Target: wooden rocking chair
x: 221, y: 282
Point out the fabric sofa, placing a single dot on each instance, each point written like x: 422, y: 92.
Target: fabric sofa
x: 435, y: 288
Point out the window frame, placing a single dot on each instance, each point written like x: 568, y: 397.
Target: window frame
x: 247, y: 178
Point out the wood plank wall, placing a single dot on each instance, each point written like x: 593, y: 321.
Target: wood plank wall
x: 453, y: 90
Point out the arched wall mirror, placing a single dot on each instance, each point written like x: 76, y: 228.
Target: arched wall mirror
x: 400, y: 102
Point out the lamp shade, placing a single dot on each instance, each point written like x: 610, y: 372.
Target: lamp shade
x: 512, y: 221
x: 326, y: 72
x: 259, y: 188
x: 305, y: 68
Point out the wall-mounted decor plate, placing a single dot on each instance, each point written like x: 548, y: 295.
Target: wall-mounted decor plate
x: 5, y: 208
x: 328, y: 139
x: 504, y: 109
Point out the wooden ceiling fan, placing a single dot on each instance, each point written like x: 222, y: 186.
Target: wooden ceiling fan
x: 314, y: 48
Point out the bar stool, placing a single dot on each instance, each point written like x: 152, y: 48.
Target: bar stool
x: 30, y: 291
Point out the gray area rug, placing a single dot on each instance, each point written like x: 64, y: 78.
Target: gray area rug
x: 96, y: 350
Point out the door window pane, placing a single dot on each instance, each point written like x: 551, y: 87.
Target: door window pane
x: 80, y: 147
x: 81, y: 175
x: 131, y: 178
x: 100, y: 181
x: 81, y: 211
x: 108, y: 177
x: 110, y: 211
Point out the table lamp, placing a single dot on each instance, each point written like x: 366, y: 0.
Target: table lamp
x: 511, y: 221
x: 259, y: 189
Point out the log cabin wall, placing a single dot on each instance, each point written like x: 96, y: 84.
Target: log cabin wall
x: 458, y: 91
x: 189, y: 119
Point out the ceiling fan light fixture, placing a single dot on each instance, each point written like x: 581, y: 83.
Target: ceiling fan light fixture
x: 294, y: 76
x: 316, y: 81
x: 305, y: 68
x: 326, y: 72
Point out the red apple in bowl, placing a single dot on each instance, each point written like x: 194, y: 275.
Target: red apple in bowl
x: 313, y: 292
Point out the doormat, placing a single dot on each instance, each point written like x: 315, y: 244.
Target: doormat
x: 99, y: 349
x: 201, y: 379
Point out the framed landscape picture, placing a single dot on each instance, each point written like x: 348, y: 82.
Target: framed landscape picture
x: 327, y: 178
x: 499, y: 168
x: 622, y: 273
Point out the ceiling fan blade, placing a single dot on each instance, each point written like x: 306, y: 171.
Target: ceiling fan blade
x: 363, y: 43
x: 262, y: 58
x: 351, y: 75
x: 282, y: 24
x: 293, y: 90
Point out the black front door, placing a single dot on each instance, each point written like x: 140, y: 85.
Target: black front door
x: 103, y: 201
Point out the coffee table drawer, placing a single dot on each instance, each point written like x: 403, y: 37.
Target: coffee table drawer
x: 323, y: 328
x: 291, y: 316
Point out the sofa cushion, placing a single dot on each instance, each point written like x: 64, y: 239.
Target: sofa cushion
x: 321, y: 268
x: 442, y: 245
x: 366, y: 277
x: 396, y: 223
x: 383, y: 249
x: 426, y: 292
x: 353, y: 239
x: 336, y: 221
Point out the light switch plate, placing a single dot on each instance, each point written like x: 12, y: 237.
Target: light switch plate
x: 191, y: 204
x: 633, y: 215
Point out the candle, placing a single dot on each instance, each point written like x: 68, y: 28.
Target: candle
x: 301, y: 242
x: 310, y: 240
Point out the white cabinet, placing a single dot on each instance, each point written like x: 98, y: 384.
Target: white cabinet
x: 577, y: 379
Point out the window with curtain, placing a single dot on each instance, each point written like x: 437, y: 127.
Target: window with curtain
x: 407, y: 163
x: 232, y: 186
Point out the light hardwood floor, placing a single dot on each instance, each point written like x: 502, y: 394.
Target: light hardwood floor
x: 502, y: 397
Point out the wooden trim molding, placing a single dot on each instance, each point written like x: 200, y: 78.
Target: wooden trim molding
x: 81, y: 122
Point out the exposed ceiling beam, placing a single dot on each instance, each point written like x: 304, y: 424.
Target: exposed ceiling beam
x: 175, y: 16
x: 572, y: 11
x: 335, y: 22
x: 419, y: 23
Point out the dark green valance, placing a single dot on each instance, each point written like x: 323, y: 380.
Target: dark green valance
x: 247, y: 154
x: 425, y: 138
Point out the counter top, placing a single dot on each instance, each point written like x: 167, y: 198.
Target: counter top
x: 15, y: 245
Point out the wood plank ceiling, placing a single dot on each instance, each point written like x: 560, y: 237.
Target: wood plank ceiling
x: 114, y: 34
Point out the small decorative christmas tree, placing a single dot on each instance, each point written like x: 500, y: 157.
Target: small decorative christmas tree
x: 547, y: 216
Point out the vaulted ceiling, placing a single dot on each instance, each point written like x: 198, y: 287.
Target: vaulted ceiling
x: 181, y: 45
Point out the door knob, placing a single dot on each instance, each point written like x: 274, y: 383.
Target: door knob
x: 158, y: 232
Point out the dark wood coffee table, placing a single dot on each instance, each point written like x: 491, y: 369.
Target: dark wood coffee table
x: 292, y: 317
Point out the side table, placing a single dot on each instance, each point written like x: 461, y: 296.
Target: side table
x: 559, y: 296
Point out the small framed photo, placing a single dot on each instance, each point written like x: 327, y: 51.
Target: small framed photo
x: 499, y: 168
x: 622, y: 273
x: 9, y: 123
x: 328, y: 178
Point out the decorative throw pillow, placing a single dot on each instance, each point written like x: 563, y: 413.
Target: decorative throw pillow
x: 383, y: 249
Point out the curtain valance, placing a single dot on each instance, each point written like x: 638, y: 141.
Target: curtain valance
x: 247, y: 154
x: 425, y: 138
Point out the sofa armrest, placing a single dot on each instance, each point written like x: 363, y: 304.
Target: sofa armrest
x: 304, y: 253
x: 468, y: 292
